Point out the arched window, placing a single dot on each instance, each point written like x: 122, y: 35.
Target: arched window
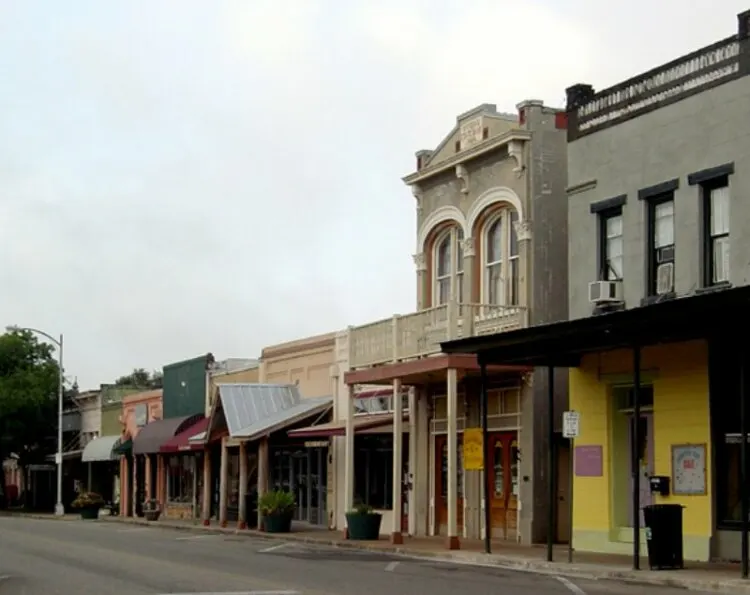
x: 449, y: 266
x: 500, y: 259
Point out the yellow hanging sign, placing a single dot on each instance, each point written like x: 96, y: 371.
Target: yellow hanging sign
x: 473, y: 449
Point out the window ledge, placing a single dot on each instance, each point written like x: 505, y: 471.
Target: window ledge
x: 712, y: 288
x: 650, y: 300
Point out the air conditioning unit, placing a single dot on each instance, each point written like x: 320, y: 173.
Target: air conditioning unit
x: 605, y: 292
x: 665, y: 278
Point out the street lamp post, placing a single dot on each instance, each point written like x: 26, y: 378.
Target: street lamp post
x: 59, y: 508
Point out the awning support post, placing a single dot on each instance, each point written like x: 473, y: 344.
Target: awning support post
x: 485, y: 458
x: 634, y: 457
x: 551, y: 503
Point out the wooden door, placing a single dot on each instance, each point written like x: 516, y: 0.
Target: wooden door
x: 503, y: 480
x: 441, y: 487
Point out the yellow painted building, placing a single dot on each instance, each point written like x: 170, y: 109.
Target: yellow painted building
x: 674, y: 412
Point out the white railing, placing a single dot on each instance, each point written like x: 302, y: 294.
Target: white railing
x: 419, y: 334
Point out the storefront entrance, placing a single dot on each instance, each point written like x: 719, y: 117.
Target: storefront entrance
x: 304, y: 472
x: 503, y: 480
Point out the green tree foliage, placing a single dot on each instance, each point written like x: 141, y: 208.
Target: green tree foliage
x: 140, y: 377
x: 28, y: 397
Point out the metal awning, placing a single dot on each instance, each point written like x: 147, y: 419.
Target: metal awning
x: 371, y: 421
x: 153, y: 435
x: 101, y: 449
x: 255, y: 410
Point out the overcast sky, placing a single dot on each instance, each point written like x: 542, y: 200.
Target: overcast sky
x: 178, y: 177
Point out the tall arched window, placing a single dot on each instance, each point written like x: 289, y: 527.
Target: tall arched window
x: 500, y: 259
x: 449, y: 266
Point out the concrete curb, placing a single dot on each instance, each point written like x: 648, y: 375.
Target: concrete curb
x: 557, y: 569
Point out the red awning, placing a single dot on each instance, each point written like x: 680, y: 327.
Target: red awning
x: 181, y: 442
x: 338, y: 428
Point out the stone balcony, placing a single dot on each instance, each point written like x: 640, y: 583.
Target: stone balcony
x: 419, y: 334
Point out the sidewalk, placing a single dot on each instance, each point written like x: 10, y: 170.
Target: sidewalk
x: 723, y: 578
x: 706, y: 577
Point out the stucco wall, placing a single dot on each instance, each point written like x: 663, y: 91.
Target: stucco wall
x: 152, y: 399
x: 679, y: 373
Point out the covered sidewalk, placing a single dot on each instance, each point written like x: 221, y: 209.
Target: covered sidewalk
x: 243, y: 414
x: 564, y: 344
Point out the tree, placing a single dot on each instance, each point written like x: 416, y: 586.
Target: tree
x: 29, y: 377
x: 140, y: 377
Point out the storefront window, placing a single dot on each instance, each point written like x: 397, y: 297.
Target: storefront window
x: 180, y: 478
x: 373, y: 470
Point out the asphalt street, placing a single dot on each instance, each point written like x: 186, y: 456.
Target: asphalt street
x: 53, y: 557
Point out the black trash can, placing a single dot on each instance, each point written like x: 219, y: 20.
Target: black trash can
x: 664, y: 536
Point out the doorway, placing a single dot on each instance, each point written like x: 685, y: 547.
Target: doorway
x: 303, y: 472
x: 441, y: 477
x: 645, y: 449
x: 564, y: 460
x: 503, y: 479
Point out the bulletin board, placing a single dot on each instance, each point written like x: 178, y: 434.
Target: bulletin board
x: 689, y: 469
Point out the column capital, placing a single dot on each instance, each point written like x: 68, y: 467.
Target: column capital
x: 468, y: 247
x: 523, y: 230
x: 420, y: 260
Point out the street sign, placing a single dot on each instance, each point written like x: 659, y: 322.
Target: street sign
x: 571, y: 424
x: 473, y: 449
x: 58, y: 458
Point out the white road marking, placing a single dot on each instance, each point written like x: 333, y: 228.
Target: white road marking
x: 4, y: 577
x: 273, y: 548
x: 138, y: 530
x: 192, y: 537
x: 240, y: 593
x: 392, y: 566
x: 571, y: 586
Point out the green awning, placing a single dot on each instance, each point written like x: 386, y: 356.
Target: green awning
x: 123, y: 447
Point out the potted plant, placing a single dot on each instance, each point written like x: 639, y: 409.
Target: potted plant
x: 277, y: 510
x: 151, y: 509
x: 363, y: 523
x: 88, y: 505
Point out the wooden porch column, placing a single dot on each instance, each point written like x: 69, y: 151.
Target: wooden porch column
x: 349, y: 455
x: 124, y: 486
x: 223, y: 482
x: 398, y: 443
x: 412, y: 468
x: 242, y: 517
x: 262, y: 475
x: 453, y: 542
x: 206, y: 499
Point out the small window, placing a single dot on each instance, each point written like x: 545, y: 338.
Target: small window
x: 611, y: 245
x: 661, y: 246
x: 716, y: 232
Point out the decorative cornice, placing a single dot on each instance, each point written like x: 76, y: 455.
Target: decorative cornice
x: 479, y: 149
x: 463, y: 175
x: 523, y: 230
x: 420, y: 261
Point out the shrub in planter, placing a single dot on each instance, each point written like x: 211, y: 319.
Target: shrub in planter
x: 277, y: 510
x: 151, y: 510
x: 88, y: 505
x: 363, y: 523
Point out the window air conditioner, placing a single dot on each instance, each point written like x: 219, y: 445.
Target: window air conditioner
x: 665, y: 278
x: 605, y: 292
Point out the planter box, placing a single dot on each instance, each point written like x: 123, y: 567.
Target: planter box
x: 277, y: 523
x: 89, y: 513
x: 363, y: 527
x: 152, y: 515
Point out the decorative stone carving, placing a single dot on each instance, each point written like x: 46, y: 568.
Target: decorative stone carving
x: 523, y: 230
x: 468, y: 247
x: 471, y: 132
x: 420, y: 260
x: 417, y: 193
x: 463, y: 175
x: 515, y: 150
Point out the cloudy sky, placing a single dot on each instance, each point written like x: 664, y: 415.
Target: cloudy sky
x: 182, y: 176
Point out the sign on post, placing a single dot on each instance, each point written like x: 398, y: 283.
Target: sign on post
x: 473, y: 449
x: 571, y: 424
